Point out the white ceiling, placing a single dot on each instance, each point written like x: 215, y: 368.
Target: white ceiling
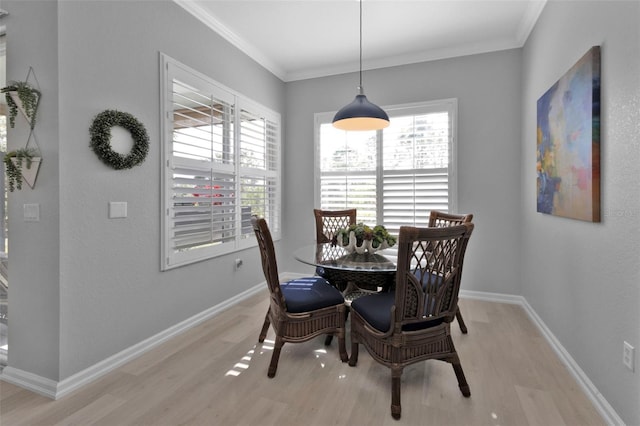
x: 300, y: 39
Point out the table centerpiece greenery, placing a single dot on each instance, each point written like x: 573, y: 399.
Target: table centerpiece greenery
x: 362, y: 238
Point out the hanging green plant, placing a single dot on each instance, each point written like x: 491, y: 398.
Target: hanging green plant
x: 100, y: 132
x: 14, y: 168
x: 28, y: 96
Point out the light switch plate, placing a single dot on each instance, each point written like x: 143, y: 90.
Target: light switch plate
x: 117, y: 209
x: 31, y: 212
x: 628, y: 356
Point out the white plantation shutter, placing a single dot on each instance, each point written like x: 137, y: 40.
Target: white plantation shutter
x: 259, y: 154
x: 410, y: 195
x: 416, y: 157
x: 222, y: 164
x: 358, y: 190
x: 203, y: 210
x: 393, y: 177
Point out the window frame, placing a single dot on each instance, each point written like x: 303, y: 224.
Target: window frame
x: 449, y: 105
x: 170, y: 258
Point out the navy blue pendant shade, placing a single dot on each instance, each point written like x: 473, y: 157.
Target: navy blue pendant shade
x: 361, y: 115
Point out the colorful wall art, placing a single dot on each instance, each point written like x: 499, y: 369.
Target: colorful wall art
x: 568, y: 143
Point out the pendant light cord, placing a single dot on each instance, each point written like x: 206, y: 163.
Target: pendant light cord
x: 360, y: 44
x: 361, y: 114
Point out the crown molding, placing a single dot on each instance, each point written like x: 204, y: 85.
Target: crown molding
x: 413, y: 58
x: 212, y: 22
x: 524, y: 29
x: 529, y: 20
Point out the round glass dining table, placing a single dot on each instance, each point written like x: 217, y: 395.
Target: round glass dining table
x: 355, y: 274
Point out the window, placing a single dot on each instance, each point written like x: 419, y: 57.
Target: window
x: 221, y: 165
x: 394, y: 176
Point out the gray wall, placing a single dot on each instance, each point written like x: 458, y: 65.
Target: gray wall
x: 34, y: 311
x: 95, y: 287
x: 488, y: 90
x: 84, y: 287
x: 583, y: 278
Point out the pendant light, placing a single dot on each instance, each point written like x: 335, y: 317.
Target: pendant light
x: 361, y: 114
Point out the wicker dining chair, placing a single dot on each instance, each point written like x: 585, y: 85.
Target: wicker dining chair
x: 440, y: 219
x: 300, y: 309
x: 413, y: 323
x: 328, y: 222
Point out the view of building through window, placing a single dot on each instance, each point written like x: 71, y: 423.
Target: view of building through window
x: 395, y: 176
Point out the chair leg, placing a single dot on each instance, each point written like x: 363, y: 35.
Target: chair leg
x: 353, y: 359
x: 265, y: 327
x: 329, y: 338
x: 396, y: 375
x: 463, y: 326
x: 342, y: 346
x: 275, y: 357
x: 462, y: 381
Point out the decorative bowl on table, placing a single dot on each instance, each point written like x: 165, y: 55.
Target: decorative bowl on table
x: 361, y: 238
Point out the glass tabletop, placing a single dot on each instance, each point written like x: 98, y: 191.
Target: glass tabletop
x: 336, y: 257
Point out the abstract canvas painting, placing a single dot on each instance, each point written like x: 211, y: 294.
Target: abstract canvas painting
x: 568, y: 143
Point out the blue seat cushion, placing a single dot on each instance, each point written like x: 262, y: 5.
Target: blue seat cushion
x: 375, y: 309
x: 309, y: 294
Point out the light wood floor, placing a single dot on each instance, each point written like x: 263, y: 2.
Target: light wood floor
x: 216, y: 374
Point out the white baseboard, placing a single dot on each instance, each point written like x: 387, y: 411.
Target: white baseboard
x: 33, y: 382
x: 601, y: 404
x: 603, y: 407
x: 55, y: 390
x: 492, y: 297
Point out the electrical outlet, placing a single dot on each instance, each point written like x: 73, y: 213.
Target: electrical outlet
x: 628, y: 356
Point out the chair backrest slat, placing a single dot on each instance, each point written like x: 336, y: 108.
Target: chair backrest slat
x: 440, y: 219
x: 329, y: 221
x: 429, y: 272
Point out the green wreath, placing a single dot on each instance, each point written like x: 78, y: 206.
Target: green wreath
x: 100, y: 132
